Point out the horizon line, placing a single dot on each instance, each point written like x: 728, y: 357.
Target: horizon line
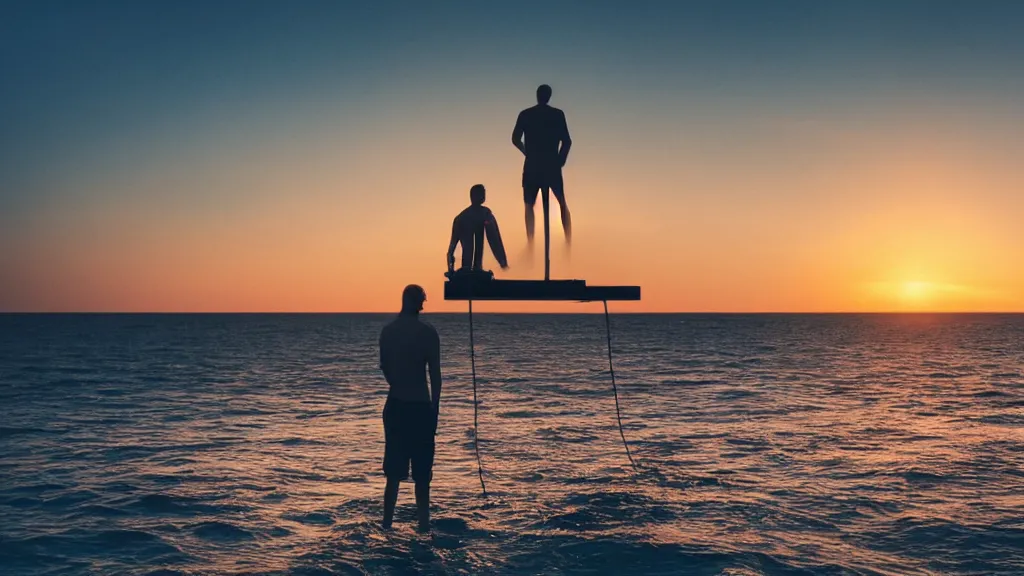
x: 439, y: 313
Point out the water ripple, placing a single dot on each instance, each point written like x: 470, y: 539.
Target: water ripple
x: 817, y: 444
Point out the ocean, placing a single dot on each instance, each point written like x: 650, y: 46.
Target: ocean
x: 765, y: 444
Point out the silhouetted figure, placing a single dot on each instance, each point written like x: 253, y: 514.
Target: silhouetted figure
x: 544, y: 128
x: 408, y: 347
x: 469, y: 229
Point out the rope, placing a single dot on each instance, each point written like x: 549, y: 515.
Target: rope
x: 615, y: 390
x: 476, y: 425
x: 476, y: 428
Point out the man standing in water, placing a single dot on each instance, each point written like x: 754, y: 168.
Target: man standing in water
x: 544, y: 127
x: 408, y: 348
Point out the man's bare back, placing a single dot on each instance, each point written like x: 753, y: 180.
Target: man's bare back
x: 408, y: 347
x: 469, y: 229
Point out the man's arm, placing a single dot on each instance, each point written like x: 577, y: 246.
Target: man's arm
x: 383, y: 357
x: 563, y: 152
x: 494, y: 239
x: 434, y: 361
x: 452, y: 243
x: 517, y: 134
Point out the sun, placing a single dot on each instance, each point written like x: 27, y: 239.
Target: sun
x: 913, y: 293
x: 915, y: 290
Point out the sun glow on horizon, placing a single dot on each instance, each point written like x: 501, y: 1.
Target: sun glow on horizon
x: 931, y: 296
x: 916, y: 290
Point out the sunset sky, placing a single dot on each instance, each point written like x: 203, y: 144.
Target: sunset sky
x: 727, y: 156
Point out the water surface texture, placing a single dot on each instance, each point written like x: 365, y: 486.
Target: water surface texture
x: 766, y: 444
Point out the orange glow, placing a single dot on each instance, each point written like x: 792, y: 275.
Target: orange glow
x: 881, y: 220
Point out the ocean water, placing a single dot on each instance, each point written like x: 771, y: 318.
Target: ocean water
x: 765, y: 444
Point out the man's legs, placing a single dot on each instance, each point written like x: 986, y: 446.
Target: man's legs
x: 559, y: 193
x: 531, y: 187
x: 529, y: 200
x: 423, y: 504
x: 390, y: 498
x: 529, y: 223
x: 423, y: 464
x: 396, y: 458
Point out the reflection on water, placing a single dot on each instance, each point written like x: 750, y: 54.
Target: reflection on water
x: 766, y: 444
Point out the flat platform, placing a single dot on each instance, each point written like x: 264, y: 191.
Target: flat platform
x: 484, y: 287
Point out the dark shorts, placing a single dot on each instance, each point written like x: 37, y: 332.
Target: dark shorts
x: 538, y: 175
x: 408, y: 438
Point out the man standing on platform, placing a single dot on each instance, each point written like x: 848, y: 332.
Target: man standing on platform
x: 544, y: 128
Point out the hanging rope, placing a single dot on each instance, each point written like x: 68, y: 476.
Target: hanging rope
x: 615, y: 389
x: 476, y: 428
x: 476, y: 425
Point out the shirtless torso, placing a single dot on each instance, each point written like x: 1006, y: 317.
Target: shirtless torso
x: 408, y: 348
x: 469, y: 229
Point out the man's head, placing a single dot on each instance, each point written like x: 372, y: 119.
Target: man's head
x: 413, y: 298
x: 543, y: 94
x: 477, y: 194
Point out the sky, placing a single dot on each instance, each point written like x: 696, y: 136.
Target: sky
x: 728, y: 156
